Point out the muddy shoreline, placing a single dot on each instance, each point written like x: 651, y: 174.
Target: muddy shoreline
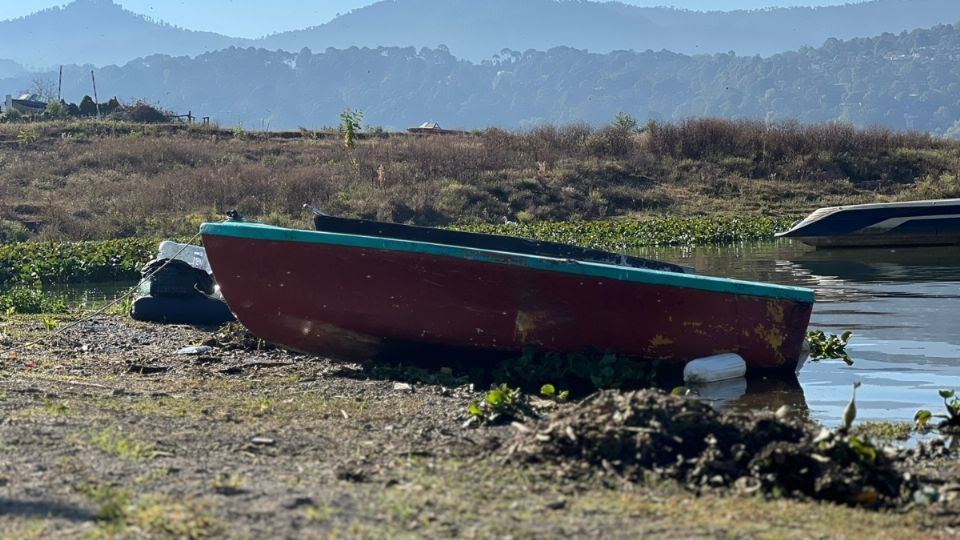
x: 106, y: 431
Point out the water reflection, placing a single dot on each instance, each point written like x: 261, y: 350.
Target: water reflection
x: 91, y: 295
x: 871, y: 265
x: 902, y: 305
x: 747, y: 394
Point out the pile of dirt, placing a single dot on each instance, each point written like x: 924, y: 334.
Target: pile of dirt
x: 649, y: 432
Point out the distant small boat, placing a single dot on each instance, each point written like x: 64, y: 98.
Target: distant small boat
x: 914, y: 223
x: 372, y: 292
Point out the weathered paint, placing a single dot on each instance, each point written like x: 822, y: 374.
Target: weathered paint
x: 659, y: 341
x: 329, y: 305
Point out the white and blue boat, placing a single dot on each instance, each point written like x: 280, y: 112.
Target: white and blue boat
x: 913, y: 223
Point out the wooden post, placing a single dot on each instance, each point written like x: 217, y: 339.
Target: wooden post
x: 60, y: 86
x: 95, y: 98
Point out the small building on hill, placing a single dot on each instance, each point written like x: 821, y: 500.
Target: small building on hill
x: 432, y: 128
x: 26, y: 104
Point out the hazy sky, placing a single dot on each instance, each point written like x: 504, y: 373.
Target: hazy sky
x: 255, y: 18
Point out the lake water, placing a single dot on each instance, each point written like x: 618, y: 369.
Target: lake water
x: 903, y: 306
x: 91, y: 295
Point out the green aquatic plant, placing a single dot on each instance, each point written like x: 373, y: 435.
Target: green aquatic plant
x: 28, y: 299
x: 885, y: 431
x: 829, y: 347
x: 72, y: 262
x: 628, y: 234
x: 950, y: 421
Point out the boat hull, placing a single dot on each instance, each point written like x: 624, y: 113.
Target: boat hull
x: 916, y: 223
x: 323, y: 293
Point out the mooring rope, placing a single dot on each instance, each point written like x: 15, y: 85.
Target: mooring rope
x: 99, y: 311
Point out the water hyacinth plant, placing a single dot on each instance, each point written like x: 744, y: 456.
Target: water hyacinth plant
x: 950, y: 422
x: 627, y: 234
x: 71, y: 262
x: 26, y: 299
x: 829, y: 347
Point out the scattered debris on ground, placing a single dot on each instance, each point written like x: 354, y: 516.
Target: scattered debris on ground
x: 234, y: 336
x: 636, y: 434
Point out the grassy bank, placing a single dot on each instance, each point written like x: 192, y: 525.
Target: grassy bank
x: 89, y: 180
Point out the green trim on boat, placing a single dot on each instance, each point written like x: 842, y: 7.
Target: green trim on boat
x: 258, y: 231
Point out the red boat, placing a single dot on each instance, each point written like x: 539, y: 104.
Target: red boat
x: 379, y: 289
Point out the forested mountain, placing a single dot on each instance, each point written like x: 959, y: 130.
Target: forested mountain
x: 479, y: 30
x: 99, y: 32
x: 910, y: 80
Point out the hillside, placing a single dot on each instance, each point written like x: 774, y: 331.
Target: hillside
x: 105, y: 177
x: 480, y: 30
x: 99, y: 32
x: 904, y: 81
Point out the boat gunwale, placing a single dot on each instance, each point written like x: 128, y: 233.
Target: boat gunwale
x: 263, y: 232
x: 894, y: 204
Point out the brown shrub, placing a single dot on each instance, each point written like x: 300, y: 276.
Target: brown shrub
x: 121, y: 179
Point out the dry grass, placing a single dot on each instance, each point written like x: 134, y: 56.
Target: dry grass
x: 89, y: 180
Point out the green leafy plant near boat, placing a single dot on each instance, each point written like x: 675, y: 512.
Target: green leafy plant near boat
x: 627, y: 234
x: 950, y: 422
x: 829, y: 347
x: 549, y: 391
x: 579, y: 373
x: 501, y: 404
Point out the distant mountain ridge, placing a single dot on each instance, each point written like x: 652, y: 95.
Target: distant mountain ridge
x: 478, y: 30
x: 99, y: 32
x: 904, y: 81
x: 9, y: 68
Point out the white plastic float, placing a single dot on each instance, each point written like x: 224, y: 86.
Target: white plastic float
x: 719, y: 367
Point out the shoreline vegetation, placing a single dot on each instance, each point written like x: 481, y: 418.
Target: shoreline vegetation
x: 90, y: 180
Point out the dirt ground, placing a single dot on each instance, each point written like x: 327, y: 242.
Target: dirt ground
x: 107, y: 432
